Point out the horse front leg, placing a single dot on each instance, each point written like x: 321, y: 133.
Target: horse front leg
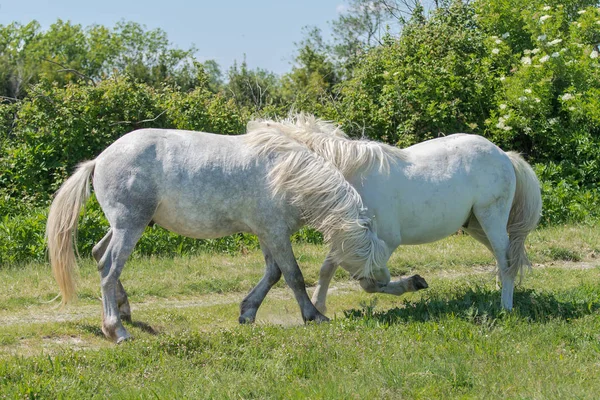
x: 254, y: 299
x: 397, y: 288
x: 326, y: 273
x: 281, y: 249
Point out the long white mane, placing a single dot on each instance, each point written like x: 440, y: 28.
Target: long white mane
x: 328, y: 202
x: 330, y: 142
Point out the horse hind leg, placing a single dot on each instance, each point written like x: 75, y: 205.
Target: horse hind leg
x: 493, y: 220
x: 474, y: 229
x: 122, y: 299
x: 111, y: 264
x: 254, y: 299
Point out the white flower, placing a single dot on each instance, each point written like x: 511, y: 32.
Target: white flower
x: 544, y: 59
x: 571, y: 108
x: 498, y: 41
x: 544, y: 17
x: 594, y: 54
x: 527, y: 90
x: 537, y: 100
x: 581, y: 12
x: 495, y: 51
x: 505, y: 35
x: 553, y: 121
x: 598, y: 22
x: 507, y: 116
x: 555, y: 54
x: 502, y: 106
x: 555, y: 41
x: 567, y: 97
x: 522, y: 98
x: 502, y: 78
x: 535, y: 51
x: 526, y: 60
x: 542, y: 38
x: 547, y: 8
x: 507, y: 128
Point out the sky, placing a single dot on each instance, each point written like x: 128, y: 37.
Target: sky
x: 221, y: 30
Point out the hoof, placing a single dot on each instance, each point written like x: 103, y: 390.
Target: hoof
x: 419, y: 282
x: 317, y: 319
x: 125, y: 338
x: 246, y: 320
x: 115, y: 332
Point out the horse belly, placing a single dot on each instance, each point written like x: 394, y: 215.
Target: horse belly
x: 430, y: 220
x: 197, y: 225
x: 209, y: 208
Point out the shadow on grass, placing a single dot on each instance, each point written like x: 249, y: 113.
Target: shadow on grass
x: 97, y: 331
x: 144, y: 327
x: 480, y: 305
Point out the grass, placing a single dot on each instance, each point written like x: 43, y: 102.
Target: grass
x: 450, y: 341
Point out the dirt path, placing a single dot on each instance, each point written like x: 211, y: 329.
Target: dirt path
x: 47, y: 313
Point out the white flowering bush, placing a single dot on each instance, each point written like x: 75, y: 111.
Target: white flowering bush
x: 548, y: 107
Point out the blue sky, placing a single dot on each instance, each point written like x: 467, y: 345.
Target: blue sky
x: 264, y: 30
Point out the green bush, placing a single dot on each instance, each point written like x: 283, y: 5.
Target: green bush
x: 549, y: 109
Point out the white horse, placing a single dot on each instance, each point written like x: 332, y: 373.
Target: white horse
x: 429, y: 191
x: 203, y: 185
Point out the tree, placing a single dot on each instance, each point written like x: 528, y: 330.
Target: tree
x: 255, y: 89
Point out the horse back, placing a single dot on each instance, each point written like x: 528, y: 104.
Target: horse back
x: 192, y: 183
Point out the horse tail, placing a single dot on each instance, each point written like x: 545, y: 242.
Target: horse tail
x: 524, y: 213
x: 61, y: 228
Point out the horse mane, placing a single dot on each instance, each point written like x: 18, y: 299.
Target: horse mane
x: 327, y: 201
x: 330, y: 142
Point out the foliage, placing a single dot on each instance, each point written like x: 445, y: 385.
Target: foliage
x: 548, y: 107
x: 68, y: 53
x: 525, y: 74
x: 59, y: 127
x: 435, y: 79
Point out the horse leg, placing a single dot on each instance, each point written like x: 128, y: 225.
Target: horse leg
x: 253, y: 300
x: 111, y: 264
x: 493, y: 220
x: 282, y: 252
x: 319, y: 297
x: 122, y: 301
x: 397, y: 288
x: 473, y: 228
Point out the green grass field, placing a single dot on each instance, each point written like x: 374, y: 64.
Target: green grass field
x: 449, y: 341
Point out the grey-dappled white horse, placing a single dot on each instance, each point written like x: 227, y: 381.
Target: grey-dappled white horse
x: 427, y: 192
x: 203, y: 185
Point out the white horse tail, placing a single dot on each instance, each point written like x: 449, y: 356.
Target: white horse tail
x: 524, y: 213
x: 61, y: 227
